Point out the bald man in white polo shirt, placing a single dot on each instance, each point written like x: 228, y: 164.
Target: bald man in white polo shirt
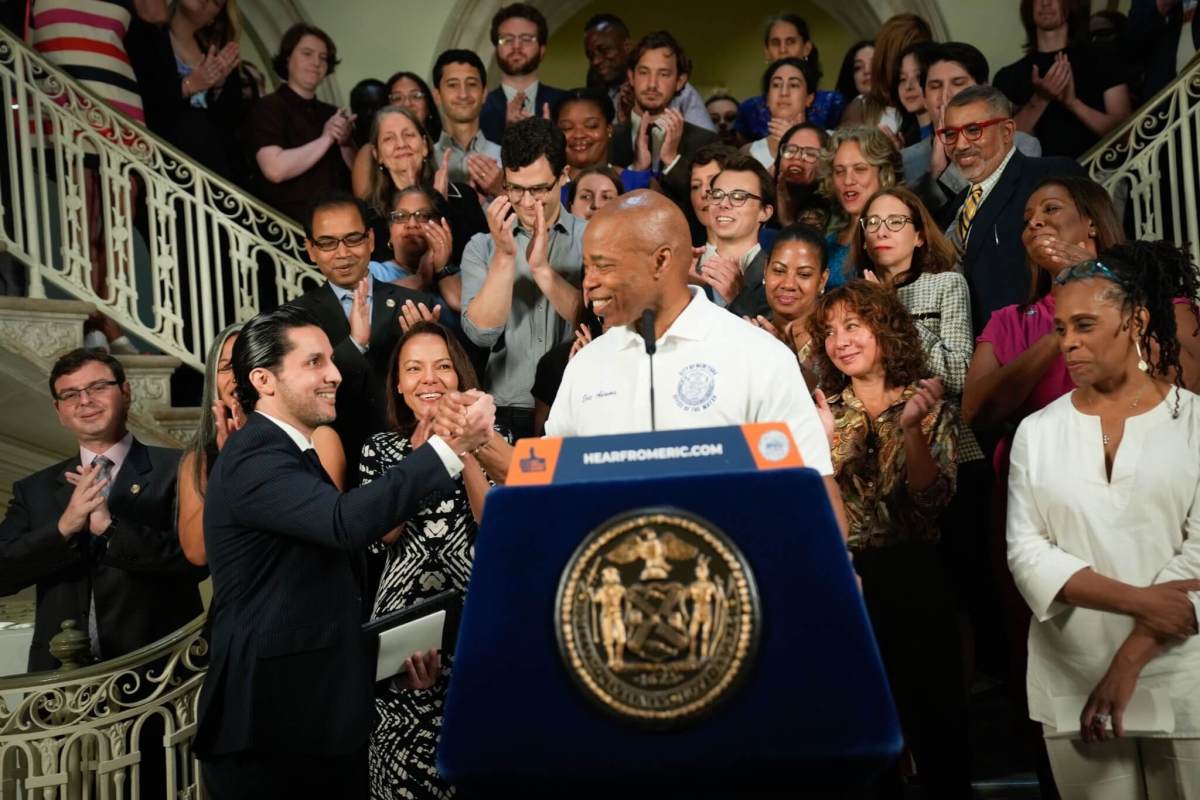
x: 711, y: 368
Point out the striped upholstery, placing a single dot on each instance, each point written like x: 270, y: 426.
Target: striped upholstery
x: 86, y: 39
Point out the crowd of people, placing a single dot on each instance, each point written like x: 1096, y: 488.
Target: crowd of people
x: 909, y: 268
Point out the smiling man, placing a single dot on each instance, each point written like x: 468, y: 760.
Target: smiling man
x: 740, y: 201
x: 658, y: 71
x: 96, y: 533
x: 291, y: 677
x: 520, y: 281
x: 459, y: 83
x: 711, y: 367
x: 358, y: 313
x: 985, y: 221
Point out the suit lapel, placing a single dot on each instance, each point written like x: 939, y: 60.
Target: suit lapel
x: 136, y: 471
x: 620, y: 149
x: 995, y: 202
x: 62, y: 492
x: 753, y: 277
x: 381, y: 313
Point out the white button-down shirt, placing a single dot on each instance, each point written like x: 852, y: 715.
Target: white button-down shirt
x: 1141, y: 527
x: 452, y: 462
x: 710, y: 369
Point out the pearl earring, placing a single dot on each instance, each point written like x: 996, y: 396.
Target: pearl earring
x: 1142, y: 365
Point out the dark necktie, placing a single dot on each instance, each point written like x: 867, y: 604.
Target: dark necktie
x: 105, y: 465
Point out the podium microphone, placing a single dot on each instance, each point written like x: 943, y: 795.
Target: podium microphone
x: 646, y: 329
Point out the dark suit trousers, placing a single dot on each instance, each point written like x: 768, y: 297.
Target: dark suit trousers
x: 267, y: 776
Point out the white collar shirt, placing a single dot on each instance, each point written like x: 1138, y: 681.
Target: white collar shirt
x: 989, y: 183
x: 530, y: 96
x: 711, y: 369
x: 302, y: 442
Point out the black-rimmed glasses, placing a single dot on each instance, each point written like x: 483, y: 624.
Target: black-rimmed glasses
x: 330, y: 243
x: 737, y: 197
x: 894, y: 222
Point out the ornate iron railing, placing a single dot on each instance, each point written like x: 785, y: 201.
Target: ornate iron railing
x: 209, y: 253
x: 120, y: 728
x: 1153, y: 161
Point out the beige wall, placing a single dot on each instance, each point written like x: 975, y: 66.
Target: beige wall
x: 723, y: 39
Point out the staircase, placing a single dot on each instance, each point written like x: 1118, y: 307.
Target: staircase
x: 206, y: 256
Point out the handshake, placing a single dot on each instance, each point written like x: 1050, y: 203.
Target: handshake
x: 464, y: 420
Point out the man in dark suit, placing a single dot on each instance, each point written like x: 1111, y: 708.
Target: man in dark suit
x: 985, y: 221
x: 741, y: 201
x: 359, y: 314
x: 287, y: 706
x: 519, y: 34
x: 657, y: 137
x: 96, y: 532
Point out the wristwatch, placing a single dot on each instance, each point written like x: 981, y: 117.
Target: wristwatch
x: 444, y: 272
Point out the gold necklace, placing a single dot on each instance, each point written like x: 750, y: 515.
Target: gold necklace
x: 1132, y: 405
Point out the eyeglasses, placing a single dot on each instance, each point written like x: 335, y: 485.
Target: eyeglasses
x: 330, y: 243
x: 517, y: 193
x: 971, y: 131
x: 415, y: 96
x: 93, y: 389
x: 420, y: 217
x: 737, y: 197
x: 524, y: 38
x: 894, y: 222
x: 809, y: 154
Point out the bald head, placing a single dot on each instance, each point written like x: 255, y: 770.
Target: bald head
x: 636, y: 254
x: 644, y: 221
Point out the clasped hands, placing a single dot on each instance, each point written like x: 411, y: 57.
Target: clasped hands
x: 464, y: 420
x: 88, y: 507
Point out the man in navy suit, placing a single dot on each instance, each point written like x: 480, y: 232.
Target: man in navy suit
x: 360, y: 315
x: 96, y: 533
x: 986, y: 219
x: 519, y: 33
x: 286, y: 708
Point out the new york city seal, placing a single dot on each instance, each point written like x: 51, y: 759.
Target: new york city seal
x: 658, y: 616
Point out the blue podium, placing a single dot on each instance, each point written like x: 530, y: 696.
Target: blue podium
x: 810, y: 706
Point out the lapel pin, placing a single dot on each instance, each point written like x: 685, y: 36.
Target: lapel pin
x: 137, y: 487
x: 391, y: 303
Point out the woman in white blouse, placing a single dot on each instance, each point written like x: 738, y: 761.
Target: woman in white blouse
x: 1104, y: 532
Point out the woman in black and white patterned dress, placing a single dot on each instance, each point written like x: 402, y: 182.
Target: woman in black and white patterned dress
x: 428, y: 554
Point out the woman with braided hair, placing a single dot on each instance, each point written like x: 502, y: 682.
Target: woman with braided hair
x: 1104, y: 532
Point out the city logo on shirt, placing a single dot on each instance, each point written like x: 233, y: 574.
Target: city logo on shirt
x: 697, y: 389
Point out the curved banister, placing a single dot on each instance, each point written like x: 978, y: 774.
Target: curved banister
x: 210, y: 249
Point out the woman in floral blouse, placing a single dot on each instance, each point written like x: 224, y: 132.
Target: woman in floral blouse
x: 894, y: 444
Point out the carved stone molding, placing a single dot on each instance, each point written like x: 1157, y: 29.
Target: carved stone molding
x: 150, y: 381
x: 42, y: 330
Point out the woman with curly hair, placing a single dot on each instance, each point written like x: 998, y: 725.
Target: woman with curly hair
x: 1104, y: 532
x: 894, y: 442
x: 858, y: 163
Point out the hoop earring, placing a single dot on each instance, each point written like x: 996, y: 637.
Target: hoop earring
x: 1141, y: 364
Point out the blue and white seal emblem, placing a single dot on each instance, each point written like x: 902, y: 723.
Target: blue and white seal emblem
x: 697, y: 389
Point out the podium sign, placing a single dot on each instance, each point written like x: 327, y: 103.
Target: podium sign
x: 646, y: 620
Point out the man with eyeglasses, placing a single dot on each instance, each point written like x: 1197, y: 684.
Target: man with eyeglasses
x: 928, y: 171
x: 96, y: 533
x: 459, y: 83
x: 985, y: 220
x: 520, y: 281
x: 359, y: 313
x: 519, y: 33
x: 740, y: 201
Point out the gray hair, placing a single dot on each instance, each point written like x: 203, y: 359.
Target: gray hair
x: 996, y: 100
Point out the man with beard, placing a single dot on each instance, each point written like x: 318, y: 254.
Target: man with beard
x: 519, y: 33
x: 658, y: 71
x: 985, y: 221
x: 607, y: 45
x: 290, y: 680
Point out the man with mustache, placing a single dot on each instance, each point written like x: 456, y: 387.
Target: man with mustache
x: 519, y: 33
x: 657, y: 136
x: 984, y: 222
x: 360, y: 315
x: 606, y: 44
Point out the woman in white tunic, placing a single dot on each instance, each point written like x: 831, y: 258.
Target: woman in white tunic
x: 1104, y: 531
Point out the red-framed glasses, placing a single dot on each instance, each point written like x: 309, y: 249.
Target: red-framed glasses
x: 971, y: 131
